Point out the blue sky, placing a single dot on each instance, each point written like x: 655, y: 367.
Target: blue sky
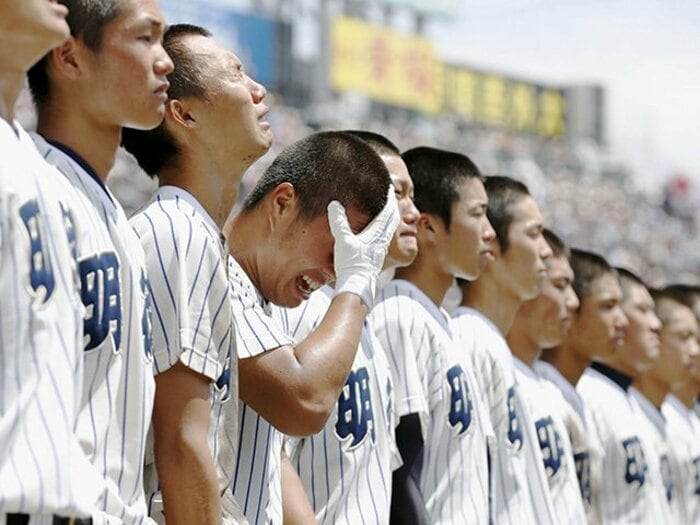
x: 646, y: 53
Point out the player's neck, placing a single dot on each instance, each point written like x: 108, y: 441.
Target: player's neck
x: 243, y: 233
x: 427, y: 276
x: 521, y: 344
x: 10, y: 86
x: 652, y: 388
x: 569, y: 363
x: 96, y: 143
x: 687, y: 394
x: 215, y: 192
x: 486, y: 296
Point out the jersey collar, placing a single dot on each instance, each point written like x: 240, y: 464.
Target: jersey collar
x: 622, y: 380
x: 83, y: 164
x: 176, y: 192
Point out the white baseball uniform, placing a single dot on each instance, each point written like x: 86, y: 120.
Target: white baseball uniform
x: 666, y: 503
x: 118, y: 388
x: 625, y: 491
x: 548, y: 409
x: 192, y: 314
x: 432, y: 378
x: 43, y: 471
x: 519, y: 488
x: 588, y: 452
x: 683, y: 428
x: 256, y: 485
x: 346, y: 469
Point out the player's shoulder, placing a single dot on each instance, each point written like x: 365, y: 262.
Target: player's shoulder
x: 173, y: 213
x: 399, y: 300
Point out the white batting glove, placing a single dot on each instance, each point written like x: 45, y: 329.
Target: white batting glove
x: 359, y: 258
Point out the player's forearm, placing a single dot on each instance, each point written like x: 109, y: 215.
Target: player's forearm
x: 296, y: 507
x: 188, y: 483
x: 296, y: 388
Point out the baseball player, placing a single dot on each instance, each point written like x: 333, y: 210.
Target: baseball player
x: 283, y: 250
x: 540, y: 323
x: 678, y: 353
x: 81, y: 108
x: 193, y: 329
x: 42, y: 468
x: 626, y: 491
x: 683, y: 424
x: 514, y: 273
x: 443, y: 428
x: 351, y: 480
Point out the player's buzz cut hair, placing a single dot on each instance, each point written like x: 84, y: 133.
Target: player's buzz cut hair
x: 437, y: 175
x: 379, y: 143
x: 559, y: 249
x: 87, y: 20
x: 326, y: 166
x: 628, y: 279
x: 504, y: 194
x: 156, y: 148
x: 686, y: 294
x: 667, y: 299
x: 587, y: 267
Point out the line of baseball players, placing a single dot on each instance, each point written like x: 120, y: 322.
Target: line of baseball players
x: 203, y: 367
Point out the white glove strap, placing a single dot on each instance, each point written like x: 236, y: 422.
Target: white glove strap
x: 360, y: 284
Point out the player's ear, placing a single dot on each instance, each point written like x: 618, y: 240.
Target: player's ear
x: 67, y: 58
x: 180, y: 113
x: 429, y: 226
x: 282, y: 204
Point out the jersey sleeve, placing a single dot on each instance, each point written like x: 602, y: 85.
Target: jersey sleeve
x: 189, y: 289
x: 399, y: 332
x: 256, y: 330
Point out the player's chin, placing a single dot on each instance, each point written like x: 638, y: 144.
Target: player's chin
x: 147, y: 119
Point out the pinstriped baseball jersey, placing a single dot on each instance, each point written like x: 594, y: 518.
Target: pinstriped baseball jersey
x: 664, y: 500
x: 547, y: 408
x: 192, y: 312
x: 118, y: 388
x: 42, y: 468
x: 346, y: 469
x: 588, y: 452
x: 256, y: 486
x: 433, y: 379
x: 684, y: 445
x: 519, y: 488
x: 624, y: 480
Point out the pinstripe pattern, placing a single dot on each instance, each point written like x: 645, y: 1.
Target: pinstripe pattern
x: 684, y: 446
x: 346, y: 482
x: 617, y: 425
x: 192, y: 312
x: 519, y: 489
x: 663, y: 499
x: 118, y: 388
x: 256, y: 482
x: 547, y: 409
x: 42, y: 469
x: 418, y: 340
x: 587, y: 449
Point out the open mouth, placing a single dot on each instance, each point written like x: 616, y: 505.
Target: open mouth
x: 306, y: 285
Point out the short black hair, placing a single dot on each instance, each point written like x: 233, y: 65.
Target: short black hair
x: 436, y: 176
x: 587, y: 267
x: 686, y: 294
x: 157, y: 148
x: 379, y: 143
x: 87, y: 20
x: 559, y: 249
x: 628, y: 278
x: 326, y: 166
x: 503, y: 193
